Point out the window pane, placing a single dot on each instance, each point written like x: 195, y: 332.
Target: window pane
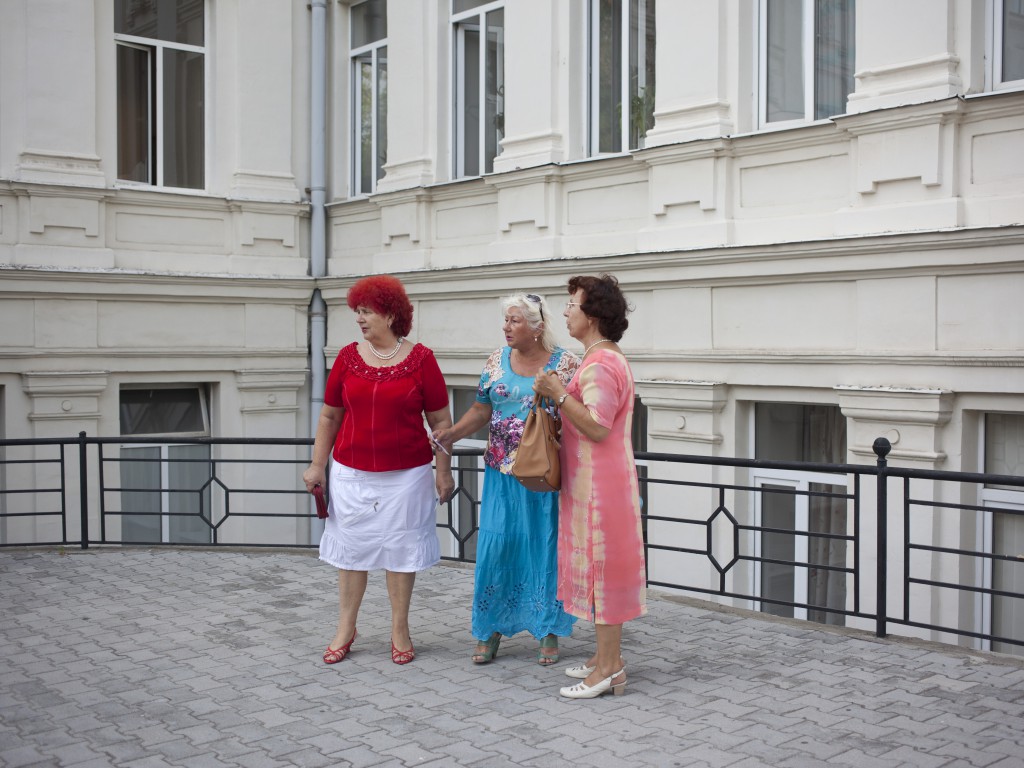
x: 784, y: 62
x: 778, y: 580
x: 177, y: 21
x: 134, y: 128
x: 826, y: 587
x: 382, y: 111
x: 183, y: 133
x: 369, y: 22
x: 189, y: 497
x: 641, y: 70
x: 1004, y: 446
x: 141, y: 504
x: 1008, y: 576
x: 364, y: 69
x: 833, y: 56
x: 458, y: 6
x: 470, y: 150
x: 793, y: 432
x: 161, y: 411
x: 609, y: 77
x: 1013, y: 40
x: 494, y: 119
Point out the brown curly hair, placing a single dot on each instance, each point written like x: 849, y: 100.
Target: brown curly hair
x: 604, y: 301
x: 385, y: 295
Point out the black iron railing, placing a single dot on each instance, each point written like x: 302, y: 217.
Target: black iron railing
x: 930, y: 545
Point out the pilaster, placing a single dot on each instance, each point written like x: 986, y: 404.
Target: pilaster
x: 413, y: 124
x: 683, y: 417
x: 686, y: 412
x: 59, y: 67
x: 693, y: 38
x: 909, y: 418
x: 896, y: 68
x: 535, y: 127
x: 263, y: 94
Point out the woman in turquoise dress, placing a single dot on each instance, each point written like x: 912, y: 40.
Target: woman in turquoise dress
x: 516, y: 570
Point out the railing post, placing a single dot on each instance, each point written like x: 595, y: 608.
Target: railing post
x: 83, y: 488
x: 881, y: 447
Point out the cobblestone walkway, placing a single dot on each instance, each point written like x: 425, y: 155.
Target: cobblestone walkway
x: 148, y: 658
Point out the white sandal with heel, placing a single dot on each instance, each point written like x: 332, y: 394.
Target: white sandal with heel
x: 584, y: 691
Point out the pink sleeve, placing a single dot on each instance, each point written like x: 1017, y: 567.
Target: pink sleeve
x: 601, y: 387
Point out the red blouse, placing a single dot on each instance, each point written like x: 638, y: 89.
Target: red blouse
x: 382, y: 428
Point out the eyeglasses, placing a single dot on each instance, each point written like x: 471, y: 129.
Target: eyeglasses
x: 571, y: 304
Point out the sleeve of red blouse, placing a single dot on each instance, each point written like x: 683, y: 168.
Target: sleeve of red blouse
x: 435, y: 391
x: 332, y: 392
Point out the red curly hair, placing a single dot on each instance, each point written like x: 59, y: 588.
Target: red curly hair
x: 385, y: 295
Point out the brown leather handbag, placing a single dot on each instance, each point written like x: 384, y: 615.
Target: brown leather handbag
x: 536, y: 465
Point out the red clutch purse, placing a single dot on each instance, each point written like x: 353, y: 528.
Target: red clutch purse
x: 321, y: 501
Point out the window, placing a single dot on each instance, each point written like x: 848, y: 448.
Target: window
x: 165, y: 488
x: 369, y: 52
x: 621, y: 72
x: 1004, y: 530
x: 479, y: 120
x: 805, y: 549
x: 806, y: 59
x: 1008, y: 44
x: 161, y: 76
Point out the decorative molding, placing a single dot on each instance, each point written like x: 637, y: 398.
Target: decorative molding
x: 67, y: 168
x: 64, y: 396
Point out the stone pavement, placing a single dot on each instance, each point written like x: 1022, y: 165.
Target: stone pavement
x: 167, y: 657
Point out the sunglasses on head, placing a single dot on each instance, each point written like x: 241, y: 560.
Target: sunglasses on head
x: 536, y: 300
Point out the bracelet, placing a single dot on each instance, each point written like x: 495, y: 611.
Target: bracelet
x: 562, y: 399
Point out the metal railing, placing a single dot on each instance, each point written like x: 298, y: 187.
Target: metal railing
x: 930, y: 546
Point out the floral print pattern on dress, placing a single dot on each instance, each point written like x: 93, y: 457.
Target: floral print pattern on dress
x: 511, y: 399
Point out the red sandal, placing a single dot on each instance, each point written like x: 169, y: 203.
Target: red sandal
x: 334, y: 655
x: 402, y: 657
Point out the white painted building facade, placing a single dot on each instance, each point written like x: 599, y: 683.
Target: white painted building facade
x: 817, y: 209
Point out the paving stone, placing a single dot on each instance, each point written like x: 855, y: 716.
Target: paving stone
x: 209, y: 659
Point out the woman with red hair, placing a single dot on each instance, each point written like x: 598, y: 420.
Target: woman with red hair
x: 382, y: 493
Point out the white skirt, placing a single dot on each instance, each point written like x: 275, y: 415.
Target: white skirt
x: 381, y: 520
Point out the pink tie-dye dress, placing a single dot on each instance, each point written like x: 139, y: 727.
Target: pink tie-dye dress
x: 601, y: 573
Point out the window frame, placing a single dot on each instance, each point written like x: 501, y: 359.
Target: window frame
x: 1003, y: 498
x: 808, y: 70
x: 164, y: 443
x: 593, y: 101
x: 994, y: 33
x: 356, y: 57
x: 459, y: 22
x: 156, y: 48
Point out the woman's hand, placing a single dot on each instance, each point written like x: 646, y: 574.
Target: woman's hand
x: 547, y: 384
x: 445, y: 484
x: 314, y: 476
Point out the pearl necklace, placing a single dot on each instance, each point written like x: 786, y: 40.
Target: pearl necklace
x: 390, y: 354
x: 599, y: 341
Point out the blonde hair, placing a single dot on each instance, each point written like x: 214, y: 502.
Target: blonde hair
x: 538, y: 316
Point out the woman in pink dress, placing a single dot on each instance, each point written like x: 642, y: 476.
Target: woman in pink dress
x: 601, y: 570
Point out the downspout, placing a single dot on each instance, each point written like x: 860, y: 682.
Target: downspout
x: 317, y: 220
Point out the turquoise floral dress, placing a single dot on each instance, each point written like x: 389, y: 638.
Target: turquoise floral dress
x: 516, y: 569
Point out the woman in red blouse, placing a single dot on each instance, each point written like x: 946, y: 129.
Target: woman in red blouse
x: 382, y: 492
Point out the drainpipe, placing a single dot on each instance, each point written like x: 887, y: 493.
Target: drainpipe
x: 318, y: 224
